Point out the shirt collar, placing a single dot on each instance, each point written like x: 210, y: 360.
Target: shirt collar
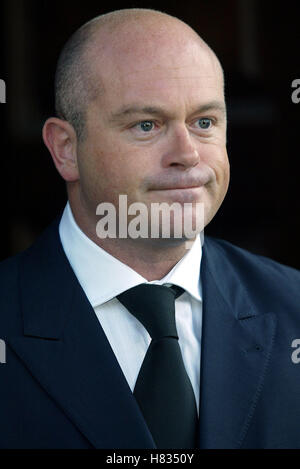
x: 103, y: 277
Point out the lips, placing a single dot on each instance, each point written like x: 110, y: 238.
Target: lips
x: 179, y: 194
x: 179, y: 181
x: 178, y: 188
x: 180, y: 185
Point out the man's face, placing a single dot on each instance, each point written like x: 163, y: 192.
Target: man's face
x: 157, y: 131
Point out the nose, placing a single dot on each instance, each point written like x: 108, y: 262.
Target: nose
x: 181, y: 149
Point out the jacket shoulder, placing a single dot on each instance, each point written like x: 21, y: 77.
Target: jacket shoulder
x: 9, y: 295
x: 9, y: 272
x: 258, y: 273
x: 12, y: 274
x: 234, y: 252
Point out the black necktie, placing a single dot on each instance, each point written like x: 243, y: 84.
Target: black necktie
x: 163, y: 389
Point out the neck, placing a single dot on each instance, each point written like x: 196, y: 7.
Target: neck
x: 151, y: 258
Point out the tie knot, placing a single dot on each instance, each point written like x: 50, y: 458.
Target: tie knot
x: 154, y: 307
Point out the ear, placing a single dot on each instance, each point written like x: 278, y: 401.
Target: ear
x: 60, y: 138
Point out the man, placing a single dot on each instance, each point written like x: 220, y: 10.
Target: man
x: 141, y: 113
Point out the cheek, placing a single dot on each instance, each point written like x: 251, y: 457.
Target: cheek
x: 110, y: 172
x: 96, y: 172
x: 217, y: 159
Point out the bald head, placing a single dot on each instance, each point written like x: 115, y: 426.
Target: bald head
x: 101, y: 40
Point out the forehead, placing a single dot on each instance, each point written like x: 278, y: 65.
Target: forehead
x: 171, y: 72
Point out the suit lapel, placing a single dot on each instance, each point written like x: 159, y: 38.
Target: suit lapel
x: 66, y: 350
x: 236, y: 349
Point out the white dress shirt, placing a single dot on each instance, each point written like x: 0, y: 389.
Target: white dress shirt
x: 103, y: 277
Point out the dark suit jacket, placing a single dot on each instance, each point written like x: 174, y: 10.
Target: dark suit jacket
x: 62, y: 387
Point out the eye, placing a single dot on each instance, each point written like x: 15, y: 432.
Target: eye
x: 204, y: 123
x: 146, y: 126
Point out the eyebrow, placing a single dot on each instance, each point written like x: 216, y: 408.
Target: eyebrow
x: 157, y: 110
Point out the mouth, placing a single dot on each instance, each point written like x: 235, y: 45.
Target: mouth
x: 176, y: 188
x: 181, y: 183
x: 182, y: 194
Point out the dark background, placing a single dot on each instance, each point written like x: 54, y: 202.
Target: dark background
x: 258, y: 43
